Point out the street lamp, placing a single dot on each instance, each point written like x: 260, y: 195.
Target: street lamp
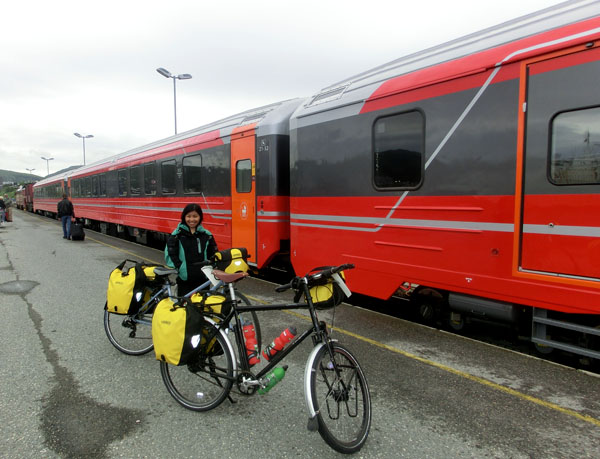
x: 29, y: 170
x: 183, y: 76
x: 47, y: 163
x: 83, y: 137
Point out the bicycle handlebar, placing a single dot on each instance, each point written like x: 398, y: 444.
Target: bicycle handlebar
x: 327, y: 272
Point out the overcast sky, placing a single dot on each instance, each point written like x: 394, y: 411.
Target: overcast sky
x: 90, y: 66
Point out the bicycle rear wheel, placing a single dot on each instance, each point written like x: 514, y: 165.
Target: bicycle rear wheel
x: 203, y: 383
x: 131, y: 335
x: 341, y: 399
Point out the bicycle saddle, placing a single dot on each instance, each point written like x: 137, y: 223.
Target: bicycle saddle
x: 228, y: 278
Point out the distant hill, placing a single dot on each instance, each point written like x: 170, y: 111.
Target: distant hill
x: 17, y: 177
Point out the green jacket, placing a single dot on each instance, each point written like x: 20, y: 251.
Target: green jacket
x: 183, y: 249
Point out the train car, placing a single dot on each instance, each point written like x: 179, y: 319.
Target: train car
x: 236, y: 169
x: 24, y: 197
x: 48, y: 192
x: 466, y: 177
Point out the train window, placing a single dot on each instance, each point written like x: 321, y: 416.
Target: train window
x: 398, y: 148
x: 575, y: 147
x: 243, y: 176
x: 135, y: 182
x: 150, y: 179
x: 87, y: 187
x: 168, y: 177
x: 95, y: 189
x: 122, y: 179
x: 192, y: 168
x: 102, y: 182
x: 75, y: 187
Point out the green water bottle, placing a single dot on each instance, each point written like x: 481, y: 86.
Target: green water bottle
x: 273, y: 378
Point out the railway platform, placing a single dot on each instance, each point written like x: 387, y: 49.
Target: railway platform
x: 66, y: 392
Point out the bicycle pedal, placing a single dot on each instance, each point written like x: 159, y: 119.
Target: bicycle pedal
x: 313, y: 424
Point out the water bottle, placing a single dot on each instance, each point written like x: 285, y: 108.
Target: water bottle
x: 279, y: 343
x: 250, y: 342
x: 272, y: 378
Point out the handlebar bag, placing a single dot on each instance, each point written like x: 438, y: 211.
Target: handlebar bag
x: 326, y: 293
x: 232, y: 260
x: 124, y: 294
x: 177, y: 332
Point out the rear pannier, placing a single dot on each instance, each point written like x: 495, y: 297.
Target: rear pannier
x: 177, y: 330
x: 129, y: 288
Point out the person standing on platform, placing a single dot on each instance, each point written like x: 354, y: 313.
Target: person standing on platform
x: 65, y: 213
x: 190, y: 243
x: 2, y: 210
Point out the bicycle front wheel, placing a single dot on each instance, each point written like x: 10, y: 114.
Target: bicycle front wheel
x: 131, y: 335
x: 340, y: 397
x: 203, y: 383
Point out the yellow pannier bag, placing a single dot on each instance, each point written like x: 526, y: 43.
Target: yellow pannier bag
x: 124, y: 292
x: 176, y: 331
x: 327, y: 294
x: 149, y: 272
x: 211, y: 304
x: 232, y: 260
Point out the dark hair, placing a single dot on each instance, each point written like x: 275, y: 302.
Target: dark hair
x: 191, y: 208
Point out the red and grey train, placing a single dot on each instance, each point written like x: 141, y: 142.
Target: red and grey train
x: 466, y: 177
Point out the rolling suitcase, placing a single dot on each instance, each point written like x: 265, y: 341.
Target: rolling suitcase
x: 77, y: 233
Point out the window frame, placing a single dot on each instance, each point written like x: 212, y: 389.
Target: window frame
x: 550, y: 156
x: 183, y: 168
x: 162, y: 176
x: 422, y: 152
x: 237, y: 189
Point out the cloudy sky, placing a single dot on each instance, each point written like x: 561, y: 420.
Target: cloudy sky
x: 90, y: 66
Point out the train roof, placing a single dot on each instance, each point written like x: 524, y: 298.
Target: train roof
x: 360, y: 87
x: 267, y: 120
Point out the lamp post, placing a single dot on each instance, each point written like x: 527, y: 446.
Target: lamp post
x: 47, y: 163
x: 83, y: 137
x: 183, y: 76
x: 29, y: 170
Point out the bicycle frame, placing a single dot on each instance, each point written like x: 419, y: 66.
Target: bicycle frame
x: 318, y: 330
x: 212, y: 282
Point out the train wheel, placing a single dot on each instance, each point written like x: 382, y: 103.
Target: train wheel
x: 428, y: 305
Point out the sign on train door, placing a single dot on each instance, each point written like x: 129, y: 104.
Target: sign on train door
x: 560, y: 160
x: 243, y: 193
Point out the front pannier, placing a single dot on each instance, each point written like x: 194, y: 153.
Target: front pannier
x: 326, y: 293
x: 211, y: 303
x: 176, y: 330
x: 124, y: 294
x: 232, y: 260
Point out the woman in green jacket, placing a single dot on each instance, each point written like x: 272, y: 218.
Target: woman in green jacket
x: 189, y: 244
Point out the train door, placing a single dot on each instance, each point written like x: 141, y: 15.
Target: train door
x: 243, y: 193
x: 559, y: 167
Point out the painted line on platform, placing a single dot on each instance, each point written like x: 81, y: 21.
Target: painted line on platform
x: 477, y: 379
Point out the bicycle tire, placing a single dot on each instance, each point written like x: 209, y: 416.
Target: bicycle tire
x: 342, y: 403
x: 203, y: 384
x: 129, y: 336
